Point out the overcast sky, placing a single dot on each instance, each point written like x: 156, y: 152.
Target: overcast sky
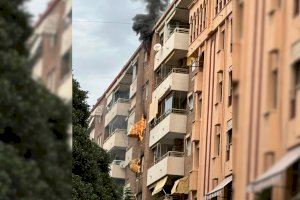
x: 102, y: 39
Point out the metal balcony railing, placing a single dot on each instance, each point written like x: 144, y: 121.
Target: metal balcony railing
x: 159, y: 80
x: 118, y: 162
x: 178, y: 30
x: 120, y: 100
x: 156, y: 121
x: 115, y: 131
x: 169, y: 154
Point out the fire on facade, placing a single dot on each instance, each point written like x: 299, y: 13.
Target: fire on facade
x: 207, y: 107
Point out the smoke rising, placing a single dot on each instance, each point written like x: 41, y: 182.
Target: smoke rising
x: 143, y: 23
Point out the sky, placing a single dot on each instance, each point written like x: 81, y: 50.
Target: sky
x: 36, y: 7
x: 103, y: 40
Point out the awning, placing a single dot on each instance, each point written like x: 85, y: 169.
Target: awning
x: 181, y: 186
x: 159, y: 185
x: 217, y: 190
x: 272, y: 175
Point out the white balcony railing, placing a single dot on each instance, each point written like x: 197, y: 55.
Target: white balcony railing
x: 172, y: 163
x: 173, y: 121
x: 178, y: 40
x: 119, y: 108
x: 117, y: 139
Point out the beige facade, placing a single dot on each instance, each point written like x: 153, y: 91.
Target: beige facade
x: 266, y: 99
x: 51, y: 49
x: 210, y: 52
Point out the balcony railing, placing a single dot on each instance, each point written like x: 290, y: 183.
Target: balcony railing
x: 118, y: 162
x: 174, y: 70
x: 169, y: 154
x: 120, y: 100
x: 115, y: 131
x: 163, y: 116
x: 178, y: 30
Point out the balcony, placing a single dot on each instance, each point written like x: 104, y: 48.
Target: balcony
x: 117, y: 139
x: 177, y: 79
x: 170, y: 125
x: 133, y: 88
x: 176, y: 46
x: 119, y: 108
x: 172, y: 163
x: 117, y: 169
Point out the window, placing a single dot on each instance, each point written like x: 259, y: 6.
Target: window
x: 191, y: 29
x: 196, y: 155
x: 294, y: 176
x: 296, y: 7
x: 191, y: 102
x: 145, y: 58
x: 230, y: 92
x: 51, y: 81
x: 240, y: 18
x: 222, y: 40
x: 204, y: 15
x: 134, y: 71
x: 295, y: 88
x: 217, y: 140
x: 273, y: 79
x: 219, y: 86
x: 146, y: 90
x: 269, y: 159
x: 198, y: 21
x: 188, y: 146
x: 219, y: 6
x: 142, y: 163
x: 66, y: 64
x: 231, y: 36
x: 201, y: 18
x: 200, y: 105
x: 228, y: 144
x: 215, y: 182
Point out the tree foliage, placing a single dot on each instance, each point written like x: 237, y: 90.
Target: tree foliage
x: 127, y: 194
x: 34, y: 154
x: 91, y: 178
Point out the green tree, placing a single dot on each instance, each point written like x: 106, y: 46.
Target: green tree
x: 90, y: 169
x: 127, y: 194
x: 35, y: 159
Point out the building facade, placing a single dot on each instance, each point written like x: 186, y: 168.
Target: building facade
x: 51, y: 49
x: 266, y: 99
x: 210, y: 55
x: 205, y: 109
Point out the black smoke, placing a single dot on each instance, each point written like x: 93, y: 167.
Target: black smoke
x: 143, y: 23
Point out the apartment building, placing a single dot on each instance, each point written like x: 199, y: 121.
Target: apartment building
x: 51, y: 49
x: 210, y: 56
x: 167, y: 174
x: 115, y: 118
x: 266, y: 99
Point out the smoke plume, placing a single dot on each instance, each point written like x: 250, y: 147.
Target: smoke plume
x: 143, y: 23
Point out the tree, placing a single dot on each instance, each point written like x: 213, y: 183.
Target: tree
x: 127, y: 194
x: 90, y: 169
x: 34, y: 155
